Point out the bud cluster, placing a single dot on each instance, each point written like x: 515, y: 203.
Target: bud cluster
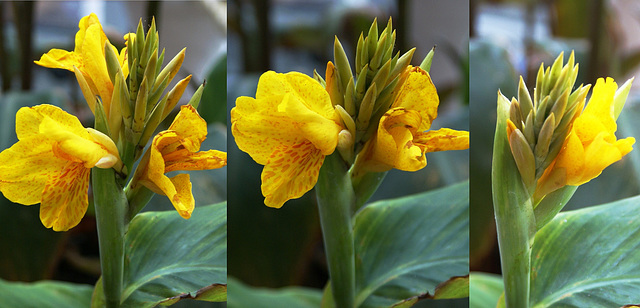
x: 138, y: 104
x: 362, y: 99
x: 538, y: 126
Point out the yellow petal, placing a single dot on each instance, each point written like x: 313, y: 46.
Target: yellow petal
x: 418, y: 93
x: 600, y: 154
x: 26, y: 167
x: 290, y: 172
x: 58, y: 58
x: 183, y: 199
x: 28, y: 120
x: 444, y: 139
x: 310, y: 93
x: 258, y: 128
x: 64, y: 199
x: 601, y: 103
x: 394, y: 144
x: 94, y: 63
x: 588, y: 126
x: 322, y: 132
x: 572, y: 159
x: 190, y: 126
x: 73, y: 145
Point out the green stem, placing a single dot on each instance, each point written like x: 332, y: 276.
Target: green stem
x: 335, y: 201
x: 111, y: 206
x: 515, y: 219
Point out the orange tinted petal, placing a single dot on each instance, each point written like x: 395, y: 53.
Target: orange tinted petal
x: 64, y: 199
x: 205, y: 160
x: 290, y: 172
x: 444, y: 139
x: 182, y: 200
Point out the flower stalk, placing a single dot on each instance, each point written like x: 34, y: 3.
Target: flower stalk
x: 335, y: 201
x: 110, y: 206
x: 515, y: 220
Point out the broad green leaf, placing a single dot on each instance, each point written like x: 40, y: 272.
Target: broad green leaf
x: 169, y: 258
x: 44, y: 294
x: 484, y: 290
x: 242, y: 295
x: 405, y: 247
x: 456, y: 287
x: 588, y: 257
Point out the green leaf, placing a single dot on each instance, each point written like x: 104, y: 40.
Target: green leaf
x: 405, y: 247
x: 168, y: 257
x: 45, y: 294
x: 588, y: 257
x: 485, y: 290
x: 456, y: 287
x: 293, y: 297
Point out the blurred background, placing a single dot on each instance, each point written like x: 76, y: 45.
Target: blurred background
x: 31, y: 252
x: 283, y: 247
x: 512, y: 38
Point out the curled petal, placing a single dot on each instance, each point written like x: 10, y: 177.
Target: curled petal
x: 393, y: 146
x: 64, y: 199
x: 322, y: 132
x: 418, y: 93
x: 76, y: 147
x: 190, y: 126
x: 206, y: 160
x: 290, y: 173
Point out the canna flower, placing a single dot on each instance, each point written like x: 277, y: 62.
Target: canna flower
x: 591, y: 145
x: 51, y: 163
x: 289, y: 128
x: 89, y: 58
x: 177, y: 149
x: 403, y: 135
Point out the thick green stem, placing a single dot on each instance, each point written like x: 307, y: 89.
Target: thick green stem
x: 335, y: 201
x: 111, y: 206
x: 515, y: 219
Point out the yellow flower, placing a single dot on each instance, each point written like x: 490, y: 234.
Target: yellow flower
x: 591, y: 145
x: 51, y: 162
x: 289, y: 128
x: 402, y: 138
x: 89, y: 57
x: 177, y: 149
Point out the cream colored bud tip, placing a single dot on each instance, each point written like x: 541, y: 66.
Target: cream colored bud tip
x: 107, y: 161
x: 345, y: 139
